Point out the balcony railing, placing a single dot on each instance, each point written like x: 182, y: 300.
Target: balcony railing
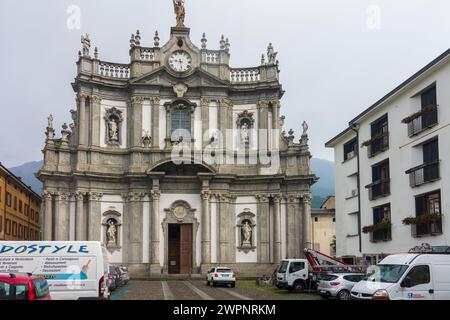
x: 381, y: 235
x: 426, y: 120
x: 431, y: 228
x: 424, y: 173
x: 378, y: 144
x: 378, y: 189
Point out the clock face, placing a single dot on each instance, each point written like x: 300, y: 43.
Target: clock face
x: 180, y: 61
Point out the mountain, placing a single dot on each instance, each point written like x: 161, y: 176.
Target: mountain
x: 26, y: 172
x: 323, y: 169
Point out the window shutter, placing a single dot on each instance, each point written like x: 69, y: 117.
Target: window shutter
x: 420, y: 206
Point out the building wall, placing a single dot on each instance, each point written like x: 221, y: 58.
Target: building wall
x: 19, y: 217
x: 404, y: 153
x: 324, y: 230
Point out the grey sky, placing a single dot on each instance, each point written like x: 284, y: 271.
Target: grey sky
x: 332, y: 65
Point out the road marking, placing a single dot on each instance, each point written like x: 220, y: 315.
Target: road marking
x: 235, y: 294
x: 203, y: 295
x: 168, y: 295
x: 121, y: 293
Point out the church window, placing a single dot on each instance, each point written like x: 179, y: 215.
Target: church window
x: 181, y: 120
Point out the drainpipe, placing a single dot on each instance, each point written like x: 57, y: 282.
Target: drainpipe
x: 355, y: 128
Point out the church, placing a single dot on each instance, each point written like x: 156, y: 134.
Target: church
x: 178, y: 162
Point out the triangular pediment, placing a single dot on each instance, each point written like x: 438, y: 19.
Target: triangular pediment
x: 163, y: 77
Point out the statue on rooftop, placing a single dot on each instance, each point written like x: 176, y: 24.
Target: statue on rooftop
x: 271, y: 54
x: 180, y: 11
x: 86, y: 42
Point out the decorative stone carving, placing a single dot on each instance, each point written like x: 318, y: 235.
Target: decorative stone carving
x: 271, y: 54
x: 47, y: 195
x: 137, y: 100
x: 50, y: 122
x: 96, y: 99
x: 206, y: 195
x: 65, y: 133
x: 86, y: 42
x: 180, y: 89
x: 155, y: 194
x: 244, y: 123
x: 180, y: 12
x: 95, y: 196
x: 50, y: 132
x: 204, y: 102
x: 180, y: 210
x: 204, y: 41
x: 155, y: 101
x: 225, y: 102
x: 146, y: 138
x: 113, y: 124
x: 156, y: 40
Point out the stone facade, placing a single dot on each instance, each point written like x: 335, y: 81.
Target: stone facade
x: 115, y: 174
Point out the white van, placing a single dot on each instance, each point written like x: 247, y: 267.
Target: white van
x: 74, y: 270
x: 293, y: 274
x: 412, y: 276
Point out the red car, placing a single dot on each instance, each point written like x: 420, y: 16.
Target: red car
x: 18, y: 286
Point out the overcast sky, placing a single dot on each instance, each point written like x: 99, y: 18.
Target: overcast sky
x: 336, y: 57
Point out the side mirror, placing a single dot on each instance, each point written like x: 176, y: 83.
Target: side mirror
x: 406, y: 283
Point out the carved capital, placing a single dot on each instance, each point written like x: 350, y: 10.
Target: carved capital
x: 79, y: 196
x: 137, y: 100
x: 81, y: 97
x: 263, y: 103
x: 155, y: 195
x: 293, y: 197
x: 96, y: 99
x: 136, y: 196
x: 262, y: 197
x: 47, y: 195
x: 204, y: 102
x: 206, y: 195
x: 225, y: 102
x: 155, y: 101
x: 277, y: 197
x: 62, y: 196
x: 95, y: 196
x: 222, y: 197
x: 307, y: 199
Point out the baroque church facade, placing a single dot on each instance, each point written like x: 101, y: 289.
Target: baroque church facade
x: 177, y: 162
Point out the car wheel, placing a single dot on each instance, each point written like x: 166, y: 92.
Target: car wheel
x: 343, y: 295
x: 233, y: 285
x: 299, y: 287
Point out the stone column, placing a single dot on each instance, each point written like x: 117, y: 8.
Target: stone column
x: 263, y: 224
x: 136, y: 227
x: 80, y: 219
x: 206, y: 227
x: 223, y: 221
x: 155, y: 121
x: 48, y: 216
x: 135, y: 121
x: 262, y: 132
x: 82, y: 119
x: 62, y: 217
x: 95, y: 120
x: 293, y: 225
x: 94, y: 219
x: 205, y: 121
x: 224, y: 125
x: 155, y: 195
x: 277, y: 228
x: 307, y: 222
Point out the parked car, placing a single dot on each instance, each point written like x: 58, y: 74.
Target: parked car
x: 125, y: 276
x: 116, y: 281
x: 337, y: 285
x: 17, y: 286
x: 221, y: 276
x: 412, y: 276
x: 293, y: 275
x: 112, y: 285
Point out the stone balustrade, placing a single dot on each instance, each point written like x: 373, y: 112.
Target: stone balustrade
x: 114, y: 70
x: 210, y: 56
x: 147, y: 54
x: 245, y: 75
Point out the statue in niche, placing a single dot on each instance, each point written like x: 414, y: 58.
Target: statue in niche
x: 111, y: 232
x: 113, y: 130
x: 244, y: 134
x: 246, y: 230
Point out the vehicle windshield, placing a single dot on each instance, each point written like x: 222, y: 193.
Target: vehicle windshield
x: 389, y: 273
x: 40, y: 288
x: 283, y: 267
x: 224, y: 270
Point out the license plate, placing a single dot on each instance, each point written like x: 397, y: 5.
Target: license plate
x: 225, y: 275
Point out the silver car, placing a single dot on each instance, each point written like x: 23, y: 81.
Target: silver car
x: 338, y: 285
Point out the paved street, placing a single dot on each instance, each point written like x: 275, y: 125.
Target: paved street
x: 197, y: 290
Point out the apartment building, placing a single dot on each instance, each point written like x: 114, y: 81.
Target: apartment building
x: 19, y: 209
x: 392, y: 167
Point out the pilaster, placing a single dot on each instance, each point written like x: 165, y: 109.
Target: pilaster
x: 94, y: 220
x: 263, y: 229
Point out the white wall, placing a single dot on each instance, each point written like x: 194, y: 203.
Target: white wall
x: 146, y: 117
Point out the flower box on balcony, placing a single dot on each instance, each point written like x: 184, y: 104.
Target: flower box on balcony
x: 418, y: 114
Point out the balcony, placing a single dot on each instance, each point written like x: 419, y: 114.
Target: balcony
x: 423, y: 120
x: 424, y: 173
x: 430, y: 228
x: 379, y: 189
x: 378, y: 144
